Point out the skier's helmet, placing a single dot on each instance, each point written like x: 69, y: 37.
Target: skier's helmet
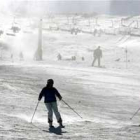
x: 50, y: 82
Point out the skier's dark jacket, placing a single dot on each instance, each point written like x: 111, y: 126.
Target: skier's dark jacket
x: 49, y: 94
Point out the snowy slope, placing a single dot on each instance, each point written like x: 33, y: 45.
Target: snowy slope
x: 105, y: 97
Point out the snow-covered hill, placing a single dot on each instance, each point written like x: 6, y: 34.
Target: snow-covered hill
x: 105, y: 97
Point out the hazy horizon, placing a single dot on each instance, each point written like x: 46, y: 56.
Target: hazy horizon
x: 37, y: 7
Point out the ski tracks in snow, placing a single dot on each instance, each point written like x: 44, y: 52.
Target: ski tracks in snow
x: 106, y: 115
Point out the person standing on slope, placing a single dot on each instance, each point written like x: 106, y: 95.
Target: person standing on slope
x: 50, y: 93
x: 97, y: 55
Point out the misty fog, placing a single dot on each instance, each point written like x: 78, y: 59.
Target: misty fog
x: 39, y: 8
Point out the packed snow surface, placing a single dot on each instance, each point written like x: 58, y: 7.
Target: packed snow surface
x: 105, y: 97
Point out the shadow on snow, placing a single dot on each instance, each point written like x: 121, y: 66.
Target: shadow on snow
x: 57, y: 130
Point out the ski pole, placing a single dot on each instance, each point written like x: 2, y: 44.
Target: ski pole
x: 34, y: 112
x: 134, y: 114
x: 72, y: 109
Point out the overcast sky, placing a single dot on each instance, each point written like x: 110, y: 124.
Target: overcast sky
x: 114, y: 7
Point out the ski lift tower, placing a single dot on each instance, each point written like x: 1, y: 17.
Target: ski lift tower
x: 38, y: 54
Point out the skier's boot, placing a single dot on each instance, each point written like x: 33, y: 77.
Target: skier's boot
x: 50, y: 125
x: 61, y: 125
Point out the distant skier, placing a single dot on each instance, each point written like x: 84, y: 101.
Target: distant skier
x: 21, y: 56
x: 50, y: 93
x: 82, y: 58
x: 59, y: 56
x: 12, y: 57
x: 95, y: 32
x: 73, y: 58
x: 97, y: 55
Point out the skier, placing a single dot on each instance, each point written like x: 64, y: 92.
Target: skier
x: 59, y: 56
x: 21, y: 56
x: 95, y: 32
x: 49, y: 92
x: 12, y: 57
x: 97, y: 55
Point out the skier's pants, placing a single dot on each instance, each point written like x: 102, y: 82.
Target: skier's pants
x: 95, y: 60
x: 52, y: 107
